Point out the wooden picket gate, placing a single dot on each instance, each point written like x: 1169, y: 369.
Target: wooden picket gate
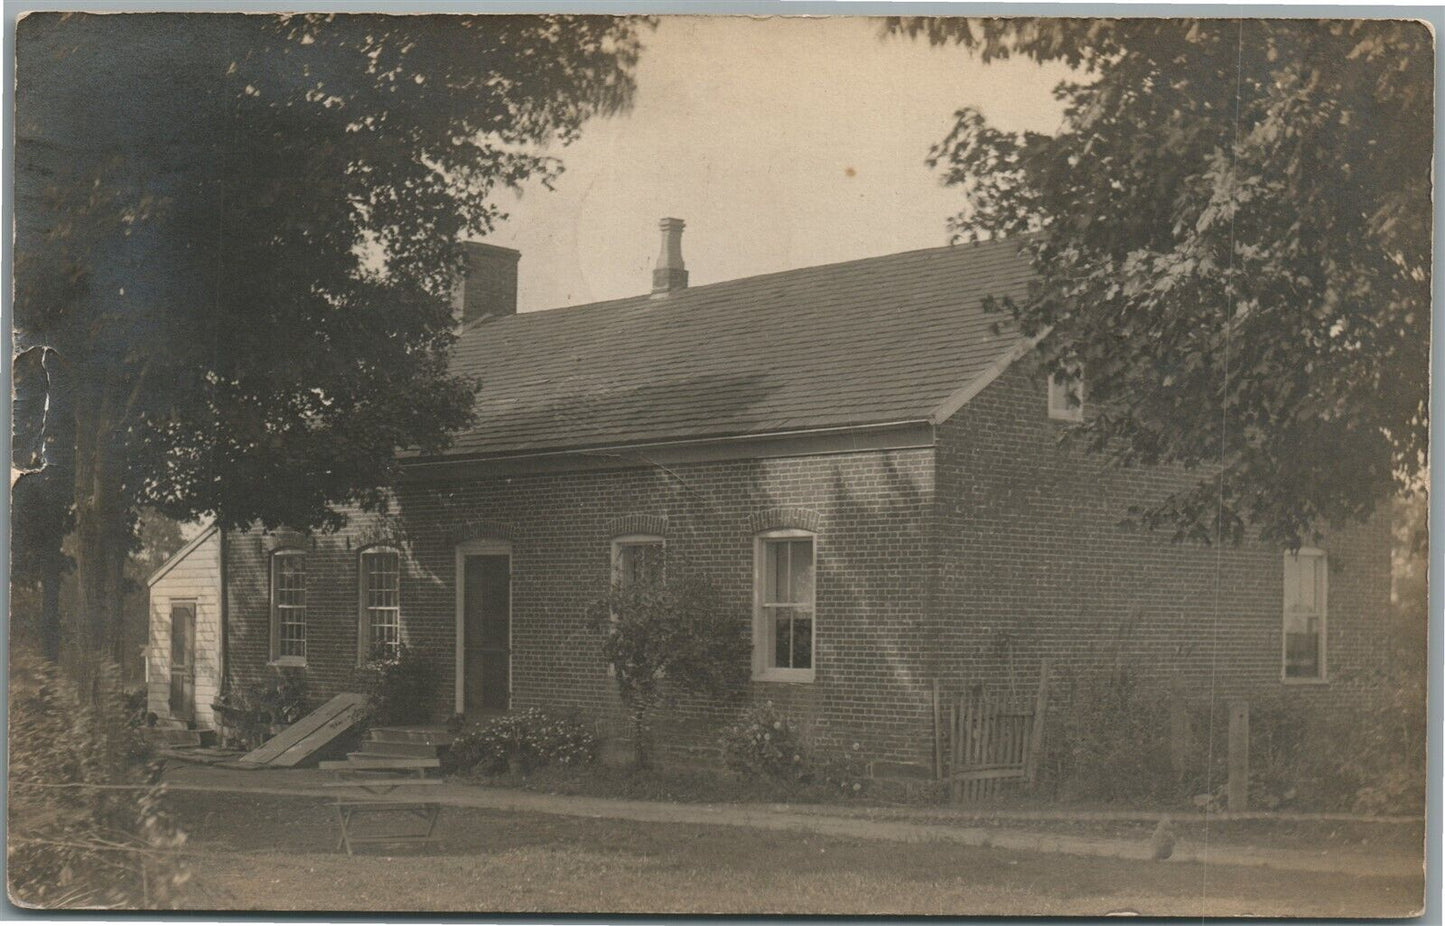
x: 992, y: 741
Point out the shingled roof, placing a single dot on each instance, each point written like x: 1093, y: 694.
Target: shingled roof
x: 876, y: 341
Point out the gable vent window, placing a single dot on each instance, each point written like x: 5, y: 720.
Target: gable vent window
x: 380, y: 602
x: 1066, y: 396
x: 783, y: 629
x: 1306, y: 593
x: 288, y: 607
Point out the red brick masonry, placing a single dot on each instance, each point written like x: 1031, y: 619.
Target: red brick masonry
x: 966, y: 561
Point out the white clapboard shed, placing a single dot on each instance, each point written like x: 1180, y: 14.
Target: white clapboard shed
x: 183, y: 656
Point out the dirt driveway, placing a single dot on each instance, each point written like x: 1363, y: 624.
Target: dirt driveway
x: 270, y: 852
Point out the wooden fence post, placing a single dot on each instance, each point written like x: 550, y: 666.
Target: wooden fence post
x: 1238, y: 756
x: 1179, y: 732
x: 955, y: 787
x: 1036, y: 731
x: 937, y: 736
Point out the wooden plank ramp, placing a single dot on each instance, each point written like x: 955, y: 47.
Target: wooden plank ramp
x: 309, y: 735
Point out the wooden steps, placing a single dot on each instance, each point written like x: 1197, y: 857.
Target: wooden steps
x: 384, y: 743
x: 171, y: 736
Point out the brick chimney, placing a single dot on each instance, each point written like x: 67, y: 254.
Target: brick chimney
x: 670, y: 274
x: 488, y: 288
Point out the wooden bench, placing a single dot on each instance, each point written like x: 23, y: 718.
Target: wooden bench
x: 394, y: 786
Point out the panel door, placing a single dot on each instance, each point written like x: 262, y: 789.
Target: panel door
x: 183, y: 660
x: 487, y: 632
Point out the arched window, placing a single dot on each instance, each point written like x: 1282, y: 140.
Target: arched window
x: 288, y: 607
x: 784, y: 625
x: 380, y: 603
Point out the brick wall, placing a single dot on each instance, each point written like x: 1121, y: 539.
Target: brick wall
x: 871, y: 511
x: 1032, y: 562
x: 1017, y: 555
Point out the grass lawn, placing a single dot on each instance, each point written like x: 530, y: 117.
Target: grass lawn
x: 272, y: 853
x: 689, y: 785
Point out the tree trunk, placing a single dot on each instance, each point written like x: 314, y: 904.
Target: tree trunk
x: 642, y: 733
x: 50, y: 633
x: 101, y: 538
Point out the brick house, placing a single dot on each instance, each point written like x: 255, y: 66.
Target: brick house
x: 867, y: 463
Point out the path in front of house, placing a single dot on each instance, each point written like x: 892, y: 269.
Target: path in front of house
x: 898, y: 825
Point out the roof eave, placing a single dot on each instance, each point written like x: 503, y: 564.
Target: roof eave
x: 179, y: 555
x: 957, y: 400
x: 889, y: 435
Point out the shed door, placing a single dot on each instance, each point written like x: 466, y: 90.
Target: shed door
x: 487, y: 632
x: 183, y: 660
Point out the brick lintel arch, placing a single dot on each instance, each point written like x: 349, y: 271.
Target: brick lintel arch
x: 479, y: 530
x: 771, y: 519
x: 381, y: 536
x: 285, y: 538
x: 653, y: 524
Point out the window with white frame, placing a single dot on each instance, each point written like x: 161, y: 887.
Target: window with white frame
x: 380, y: 601
x: 1306, y: 593
x: 784, y: 587
x: 1066, y: 396
x: 288, y: 606
x: 637, y: 559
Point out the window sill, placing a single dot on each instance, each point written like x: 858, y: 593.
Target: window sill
x: 783, y: 675
x: 1297, y: 680
x: 288, y: 661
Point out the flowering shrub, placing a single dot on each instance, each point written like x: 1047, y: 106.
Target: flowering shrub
x: 399, y: 683
x: 662, y: 638
x: 845, y: 772
x: 248, y: 712
x: 528, y: 738
x: 764, y: 743
x: 1109, y: 739
x: 1368, y: 757
x: 86, y: 829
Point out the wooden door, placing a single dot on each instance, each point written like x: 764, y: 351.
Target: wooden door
x: 487, y: 632
x: 183, y: 660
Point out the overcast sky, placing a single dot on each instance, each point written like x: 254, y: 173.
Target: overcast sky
x: 782, y: 142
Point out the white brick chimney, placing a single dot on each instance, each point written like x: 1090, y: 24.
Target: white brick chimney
x: 670, y: 273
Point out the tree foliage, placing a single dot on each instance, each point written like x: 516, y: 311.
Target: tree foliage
x: 668, y: 637
x: 1232, y: 235
x: 85, y: 823
x: 238, y: 234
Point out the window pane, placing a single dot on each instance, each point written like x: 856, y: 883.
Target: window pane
x: 383, y: 574
x: 289, y: 589
x: 1305, y: 592
x: 1065, y: 397
x: 1305, y: 577
x: 782, y: 637
x: 639, y: 563
x: 1302, y: 655
x: 802, y: 648
x: 381, y: 597
x: 801, y: 572
x: 775, y: 570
